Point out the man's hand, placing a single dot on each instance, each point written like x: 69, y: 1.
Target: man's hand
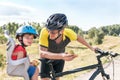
x: 95, y: 48
x: 68, y: 57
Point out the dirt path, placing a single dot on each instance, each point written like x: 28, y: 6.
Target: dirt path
x: 107, y: 70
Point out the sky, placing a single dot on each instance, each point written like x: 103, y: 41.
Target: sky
x: 82, y: 13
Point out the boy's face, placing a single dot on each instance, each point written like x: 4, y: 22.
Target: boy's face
x: 28, y: 39
x: 54, y: 34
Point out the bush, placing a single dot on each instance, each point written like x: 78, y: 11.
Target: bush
x: 90, y: 43
x: 97, y: 40
x: 2, y: 39
x: 2, y: 61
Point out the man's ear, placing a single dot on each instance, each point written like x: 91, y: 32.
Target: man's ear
x: 61, y: 32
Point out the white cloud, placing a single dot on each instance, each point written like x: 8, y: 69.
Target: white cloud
x: 11, y: 9
x: 10, y: 12
x: 84, y: 14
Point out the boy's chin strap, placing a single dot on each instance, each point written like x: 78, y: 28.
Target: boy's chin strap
x: 21, y: 41
x: 23, y: 44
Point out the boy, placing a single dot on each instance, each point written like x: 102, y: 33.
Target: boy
x: 25, y: 36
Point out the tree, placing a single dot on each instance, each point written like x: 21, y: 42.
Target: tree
x: 74, y: 28
x: 97, y: 40
x: 96, y: 35
x: 112, y: 30
x: 80, y: 32
x: 92, y: 32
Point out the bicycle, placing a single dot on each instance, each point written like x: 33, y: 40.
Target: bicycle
x: 99, y: 67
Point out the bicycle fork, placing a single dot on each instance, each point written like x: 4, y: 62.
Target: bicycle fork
x: 52, y: 73
x: 105, y: 76
x: 101, y: 70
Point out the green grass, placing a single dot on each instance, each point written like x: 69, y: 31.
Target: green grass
x: 85, y: 56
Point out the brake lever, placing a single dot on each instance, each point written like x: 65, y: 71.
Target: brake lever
x: 101, y: 52
x: 114, y: 54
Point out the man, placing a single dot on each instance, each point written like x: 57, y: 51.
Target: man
x: 53, y: 40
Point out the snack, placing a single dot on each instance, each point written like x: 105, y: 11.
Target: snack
x: 71, y: 52
x: 35, y: 62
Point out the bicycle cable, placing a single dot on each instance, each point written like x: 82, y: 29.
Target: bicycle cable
x: 113, y: 68
x: 111, y: 61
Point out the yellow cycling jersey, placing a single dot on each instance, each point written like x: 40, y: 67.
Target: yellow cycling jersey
x: 68, y: 35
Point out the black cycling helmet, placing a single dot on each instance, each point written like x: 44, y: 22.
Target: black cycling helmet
x: 56, y: 22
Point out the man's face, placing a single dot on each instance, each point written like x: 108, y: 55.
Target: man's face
x: 54, y: 34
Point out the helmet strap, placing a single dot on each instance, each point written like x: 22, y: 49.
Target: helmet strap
x: 21, y: 41
x: 58, y: 35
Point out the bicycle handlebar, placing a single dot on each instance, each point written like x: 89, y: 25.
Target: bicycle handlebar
x: 106, y: 53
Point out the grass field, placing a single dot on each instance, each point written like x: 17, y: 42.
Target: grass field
x: 85, y: 56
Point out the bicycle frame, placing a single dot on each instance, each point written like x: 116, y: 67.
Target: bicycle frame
x: 98, y: 65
